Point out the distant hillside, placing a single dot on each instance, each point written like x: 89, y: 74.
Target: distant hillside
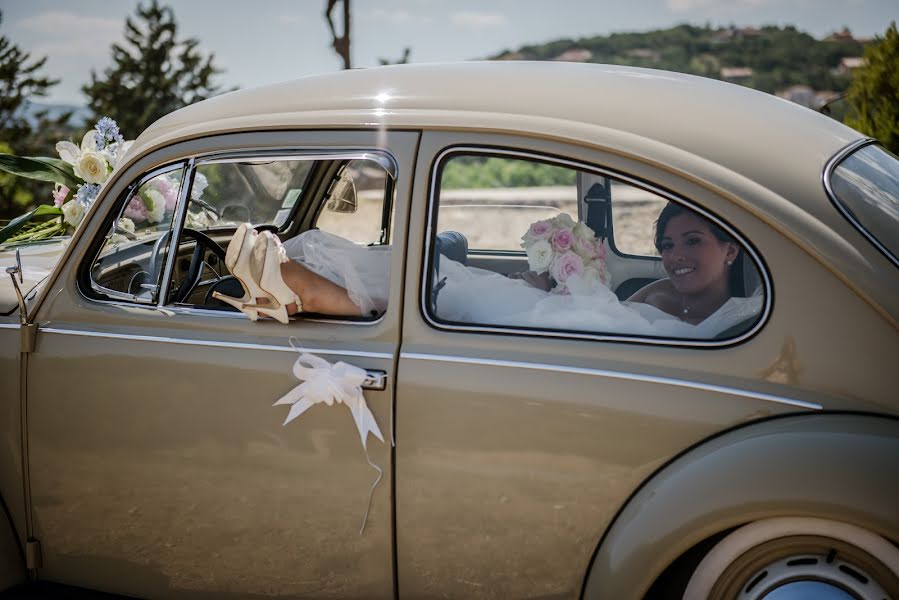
x: 772, y: 59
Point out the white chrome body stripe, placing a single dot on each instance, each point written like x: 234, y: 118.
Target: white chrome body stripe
x: 615, y: 375
x: 9, y: 326
x: 214, y: 344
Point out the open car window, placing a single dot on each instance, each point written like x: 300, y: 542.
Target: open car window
x: 310, y: 200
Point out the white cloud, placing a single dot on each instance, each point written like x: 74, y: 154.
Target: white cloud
x: 67, y: 33
x: 59, y: 22
x: 477, y: 19
x: 400, y: 17
x: 290, y: 19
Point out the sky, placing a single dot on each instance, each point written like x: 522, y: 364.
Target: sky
x: 266, y: 41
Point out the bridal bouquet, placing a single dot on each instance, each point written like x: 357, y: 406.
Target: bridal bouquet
x: 78, y: 175
x: 569, y: 252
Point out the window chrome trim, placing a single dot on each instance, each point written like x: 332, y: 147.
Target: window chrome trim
x: 602, y: 337
x: 827, y: 175
x: 213, y: 344
x: 706, y: 387
x: 10, y: 326
x: 187, y: 184
x: 264, y: 155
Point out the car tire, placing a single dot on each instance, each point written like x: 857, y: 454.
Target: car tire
x: 797, y: 558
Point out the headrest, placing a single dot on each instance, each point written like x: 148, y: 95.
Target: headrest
x: 453, y: 245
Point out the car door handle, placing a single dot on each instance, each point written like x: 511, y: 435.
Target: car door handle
x: 374, y: 380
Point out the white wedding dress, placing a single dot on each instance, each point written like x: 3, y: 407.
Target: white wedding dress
x: 479, y: 296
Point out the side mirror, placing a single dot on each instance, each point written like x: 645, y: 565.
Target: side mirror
x: 342, y: 193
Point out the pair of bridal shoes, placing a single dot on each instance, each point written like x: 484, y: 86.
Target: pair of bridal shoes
x: 255, y: 260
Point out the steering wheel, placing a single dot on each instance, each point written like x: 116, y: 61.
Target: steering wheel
x: 195, y: 269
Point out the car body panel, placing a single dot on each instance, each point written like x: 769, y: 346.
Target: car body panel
x: 521, y: 449
x: 181, y: 454
x: 37, y: 261
x: 795, y: 466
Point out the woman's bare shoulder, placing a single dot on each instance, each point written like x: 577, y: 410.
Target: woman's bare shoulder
x: 658, y: 288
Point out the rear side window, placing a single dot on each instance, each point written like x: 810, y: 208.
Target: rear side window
x: 865, y: 187
x: 523, y: 242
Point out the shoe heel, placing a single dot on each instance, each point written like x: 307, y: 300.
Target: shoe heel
x: 249, y: 310
x: 279, y: 313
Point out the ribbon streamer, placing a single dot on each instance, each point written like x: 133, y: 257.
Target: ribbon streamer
x: 326, y: 383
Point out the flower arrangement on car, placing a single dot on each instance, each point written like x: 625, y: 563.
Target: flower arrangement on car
x: 568, y: 251
x: 78, y: 176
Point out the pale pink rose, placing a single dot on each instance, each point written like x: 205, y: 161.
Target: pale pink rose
x: 562, y: 240
x: 60, y: 192
x: 168, y: 191
x: 565, y: 266
x: 539, y: 230
x: 600, y: 250
x: 136, y: 210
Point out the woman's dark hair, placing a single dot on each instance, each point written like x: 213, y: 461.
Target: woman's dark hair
x: 735, y: 276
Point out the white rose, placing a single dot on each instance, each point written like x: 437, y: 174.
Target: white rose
x: 126, y: 224
x: 91, y: 167
x: 540, y: 256
x: 73, y: 212
x: 564, y: 221
x: 199, y: 186
x: 155, y: 204
x: 582, y: 231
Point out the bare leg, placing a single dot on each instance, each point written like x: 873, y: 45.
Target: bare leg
x: 317, y: 293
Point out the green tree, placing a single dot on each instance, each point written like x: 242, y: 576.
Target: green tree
x: 20, y: 80
x: 874, y: 92
x: 153, y: 74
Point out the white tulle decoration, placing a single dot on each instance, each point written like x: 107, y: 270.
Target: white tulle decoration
x: 326, y: 383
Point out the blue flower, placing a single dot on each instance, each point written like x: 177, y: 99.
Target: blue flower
x: 108, y: 132
x: 87, y: 193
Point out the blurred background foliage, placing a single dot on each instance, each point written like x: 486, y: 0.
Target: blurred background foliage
x: 154, y: 72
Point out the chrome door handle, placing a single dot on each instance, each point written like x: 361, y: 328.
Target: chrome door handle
x: 374, y: 380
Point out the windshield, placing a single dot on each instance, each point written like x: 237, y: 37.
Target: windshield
x: 865, y: 188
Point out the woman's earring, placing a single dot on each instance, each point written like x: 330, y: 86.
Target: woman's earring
x: 728, y: 262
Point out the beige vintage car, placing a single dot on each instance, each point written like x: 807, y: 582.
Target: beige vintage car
x: 580, y: 441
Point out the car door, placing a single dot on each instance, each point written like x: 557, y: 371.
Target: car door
x: 159, y: 465
x: 518, y: 442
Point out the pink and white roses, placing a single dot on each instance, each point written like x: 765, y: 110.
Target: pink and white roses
x: 568, y: 251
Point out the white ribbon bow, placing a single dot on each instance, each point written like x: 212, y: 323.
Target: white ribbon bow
x: 327, y: 383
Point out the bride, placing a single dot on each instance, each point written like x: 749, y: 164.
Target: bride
x: 322, y: 273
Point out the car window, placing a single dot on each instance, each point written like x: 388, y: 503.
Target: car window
x: 262, y: 191
x: 553, y: 270
x: 633, y: 213
x: 130, y: 261
x: 509, y: 193
x: 361, y: 220
x: 865, y: 186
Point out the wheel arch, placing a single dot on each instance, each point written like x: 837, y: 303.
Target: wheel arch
x: 838, y: 466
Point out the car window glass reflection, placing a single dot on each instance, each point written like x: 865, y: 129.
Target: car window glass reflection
x: 683, y: 276
x: 129, y: 265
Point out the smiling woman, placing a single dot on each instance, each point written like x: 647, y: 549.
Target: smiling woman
x: 702, y: 265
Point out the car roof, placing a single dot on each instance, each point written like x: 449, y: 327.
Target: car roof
x: 633, y: 109
x: 764, y: 153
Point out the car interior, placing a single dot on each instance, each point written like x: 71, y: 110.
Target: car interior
x: 350, y: 195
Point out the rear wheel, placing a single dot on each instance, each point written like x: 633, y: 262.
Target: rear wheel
x: 798, y: 559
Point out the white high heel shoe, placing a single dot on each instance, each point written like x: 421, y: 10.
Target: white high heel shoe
x: 268, y: 257
x: 237, y: 259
